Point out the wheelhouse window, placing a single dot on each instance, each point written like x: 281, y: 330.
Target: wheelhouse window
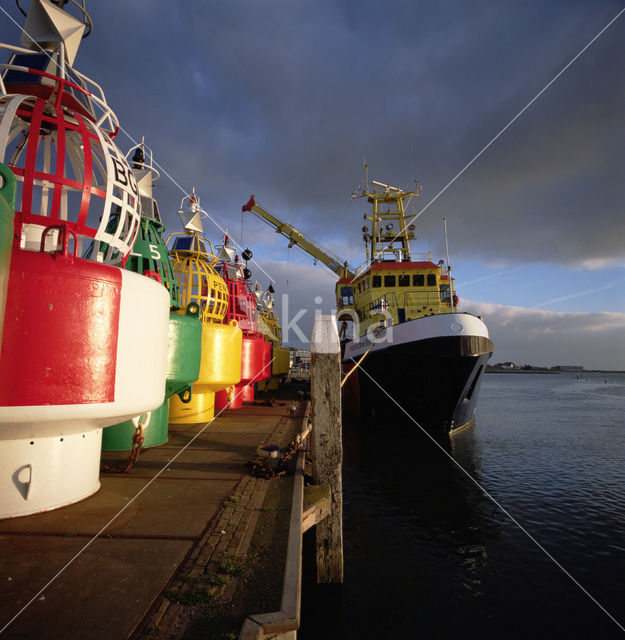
x: 389, y: 281
x: 347, y: 295
x: 431, y: 279
x: 376, y: 282
x: 403, y: 280
x: 418, y: 280
x: 445, y: 293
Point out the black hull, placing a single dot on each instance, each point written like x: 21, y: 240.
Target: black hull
x: 435, y: 381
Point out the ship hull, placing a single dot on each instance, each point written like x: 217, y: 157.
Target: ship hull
x: 428, y: 369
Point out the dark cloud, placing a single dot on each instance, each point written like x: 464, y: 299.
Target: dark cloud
x: 302, y: 290
x: 284, y: 99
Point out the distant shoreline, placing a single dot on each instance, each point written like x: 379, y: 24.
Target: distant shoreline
x: 496, y: 370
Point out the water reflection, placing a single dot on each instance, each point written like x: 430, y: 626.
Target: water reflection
x: 416, y: 490
x: 427, y: 553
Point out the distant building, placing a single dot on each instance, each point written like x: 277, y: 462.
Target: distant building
x: 506, y: 365
x: 300, y: 360
x: 567, y: 367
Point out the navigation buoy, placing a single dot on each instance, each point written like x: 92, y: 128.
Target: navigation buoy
x: 193, y: 265
x: 84, y: 342
x: 150, y: 257
x: 242, y: 308
x: 269, y: 324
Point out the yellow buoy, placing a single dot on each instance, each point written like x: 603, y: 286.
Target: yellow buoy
x: 220, y: 366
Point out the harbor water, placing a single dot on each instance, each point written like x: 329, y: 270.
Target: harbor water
x: 428, y: 554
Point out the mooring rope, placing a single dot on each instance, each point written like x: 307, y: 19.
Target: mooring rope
x: 349, y: 373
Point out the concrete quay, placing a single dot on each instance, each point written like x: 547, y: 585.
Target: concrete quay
x: 126, y: 562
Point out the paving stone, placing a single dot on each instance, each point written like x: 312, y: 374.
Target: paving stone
x: 111, y: 586
x: 107, y: 588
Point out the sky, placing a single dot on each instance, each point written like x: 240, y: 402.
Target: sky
x: 286, y: 100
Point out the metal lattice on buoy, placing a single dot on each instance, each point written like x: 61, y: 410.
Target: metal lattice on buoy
x: 193, y: 262
x: 70, y: 173
x: 56, y: 134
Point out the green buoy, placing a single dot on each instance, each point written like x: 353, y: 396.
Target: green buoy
x: 151, y: 258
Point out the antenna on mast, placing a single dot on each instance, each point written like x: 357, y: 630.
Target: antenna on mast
x: 451, y: 293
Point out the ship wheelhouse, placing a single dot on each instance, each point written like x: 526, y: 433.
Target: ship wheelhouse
x: 393, y: 293
x: 404, y: 317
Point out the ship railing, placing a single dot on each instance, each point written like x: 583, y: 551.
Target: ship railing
x: 359, y: 269
x: 414, y: 257
x: 419, y: 300
x: 380, y: 305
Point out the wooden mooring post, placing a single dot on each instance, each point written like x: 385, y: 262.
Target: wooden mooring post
x: 327, y: 445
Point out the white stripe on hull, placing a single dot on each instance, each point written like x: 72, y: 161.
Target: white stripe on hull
x: 437, y: 326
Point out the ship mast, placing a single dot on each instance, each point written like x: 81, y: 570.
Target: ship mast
x: 389, y: 233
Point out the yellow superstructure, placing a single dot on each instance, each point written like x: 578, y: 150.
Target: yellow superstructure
x: 391, y: 287
x: 395, y: 291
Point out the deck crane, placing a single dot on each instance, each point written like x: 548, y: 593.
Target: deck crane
x: 307, y: 244
x: 406, y: 332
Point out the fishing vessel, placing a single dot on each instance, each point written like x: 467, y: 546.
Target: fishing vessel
x: 416, y: 353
